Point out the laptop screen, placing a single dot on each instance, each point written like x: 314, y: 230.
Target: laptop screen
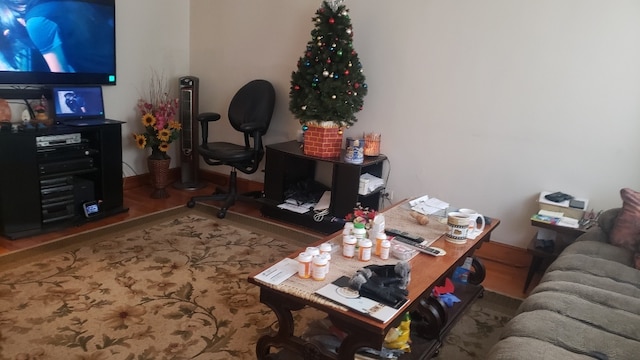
x: 78, y: 102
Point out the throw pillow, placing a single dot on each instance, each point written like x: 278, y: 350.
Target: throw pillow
x: 626, y: 229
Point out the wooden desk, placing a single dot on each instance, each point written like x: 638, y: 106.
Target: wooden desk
x: 362, y: 331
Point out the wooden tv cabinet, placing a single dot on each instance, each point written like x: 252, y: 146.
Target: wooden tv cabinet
x: 43, y: 187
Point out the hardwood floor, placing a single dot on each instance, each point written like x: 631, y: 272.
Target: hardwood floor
x: 506, y: 266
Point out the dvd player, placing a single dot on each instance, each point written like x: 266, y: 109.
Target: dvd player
x: 53, y: 140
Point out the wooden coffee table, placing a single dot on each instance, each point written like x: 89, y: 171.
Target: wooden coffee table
x: 362, y: 331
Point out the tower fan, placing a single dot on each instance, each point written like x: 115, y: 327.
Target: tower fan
x: 188, y: 111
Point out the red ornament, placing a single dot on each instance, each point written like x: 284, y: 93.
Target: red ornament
x: 356, y: 85
x: 329, y: 61
x: 346, y: 72
x: 309, y: 54
x: 296, y: 87
x: 332, y: 20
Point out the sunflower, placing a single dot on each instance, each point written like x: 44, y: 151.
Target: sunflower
x: 174, y: 125
x: 164, y: 147
x: 148, y: 119
x: 140, y: 140
x: 164, y: 135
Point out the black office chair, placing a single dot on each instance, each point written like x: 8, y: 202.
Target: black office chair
x: 250, y: 112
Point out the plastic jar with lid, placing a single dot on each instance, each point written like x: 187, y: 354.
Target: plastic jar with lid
x: 349, y: 246
x: 385, y: 248
x: 348, y: 228
x: 319, y: 267
x: 364, y: 249
x: 304, y: 265
x: 325, y: 248
x: 312, y: 250
x: 359, y: 231
x: 379, y: 238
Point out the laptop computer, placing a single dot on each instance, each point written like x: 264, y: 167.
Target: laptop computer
x: 79, y: 105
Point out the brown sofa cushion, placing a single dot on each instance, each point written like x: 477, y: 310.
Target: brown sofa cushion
x: 626, y: 229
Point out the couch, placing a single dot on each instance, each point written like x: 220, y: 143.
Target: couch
x: 587, y: 305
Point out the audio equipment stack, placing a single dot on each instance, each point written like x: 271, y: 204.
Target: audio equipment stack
x: 60, y: 157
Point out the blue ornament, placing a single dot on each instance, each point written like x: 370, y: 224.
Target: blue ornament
x: 335, y: 76
x: 307, y: 63
x: 305, y: 127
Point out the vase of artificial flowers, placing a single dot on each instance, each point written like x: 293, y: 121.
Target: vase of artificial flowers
x: 161, y: 129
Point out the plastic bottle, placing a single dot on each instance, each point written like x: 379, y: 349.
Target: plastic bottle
x: 304, y: 265
x: 364, y: 249
x: 359, y: 231
x: 348, y: 228
x: 378, y: 225
x: 379, y: 238
x: 325, y: 248
x: 385, y: 248
x: 349, y: 246
x: 328, y: 257
x: 312, y: 250
x: 319, y: 267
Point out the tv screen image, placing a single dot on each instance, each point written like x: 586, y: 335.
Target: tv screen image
x: 78, y: 102
x: 57, y: 42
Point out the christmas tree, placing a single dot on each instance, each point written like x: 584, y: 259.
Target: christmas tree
x: 329, y: 84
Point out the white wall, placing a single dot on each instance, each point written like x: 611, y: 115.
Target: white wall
x: 150, y: 34
x: 480, y: 103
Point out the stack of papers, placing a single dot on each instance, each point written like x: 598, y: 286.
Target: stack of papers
x: 428, y: 206
x: 555, y: 218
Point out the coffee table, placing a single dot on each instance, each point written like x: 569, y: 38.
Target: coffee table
x: 363, y: 331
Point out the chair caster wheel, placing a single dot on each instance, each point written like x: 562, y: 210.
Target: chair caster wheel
x: 222, y: 213
x: 191, y: 204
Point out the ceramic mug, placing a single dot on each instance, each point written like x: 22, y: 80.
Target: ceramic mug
x: 458, y: 226
x: 475, y: 215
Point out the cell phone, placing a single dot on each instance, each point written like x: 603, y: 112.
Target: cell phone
x: 90, y: 209
x: 576, y: 204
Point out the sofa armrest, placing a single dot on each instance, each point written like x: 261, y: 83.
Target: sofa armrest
x: 607, y: 219
x: 594, y: 234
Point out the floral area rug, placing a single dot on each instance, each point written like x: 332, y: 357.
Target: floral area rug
x: 479, y: 328
x: 176, y: 289
x: 172, y: 287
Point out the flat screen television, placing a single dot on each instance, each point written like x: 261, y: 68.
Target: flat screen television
x: 57, y: 42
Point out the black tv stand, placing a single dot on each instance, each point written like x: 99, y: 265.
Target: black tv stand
x: 48, y: 173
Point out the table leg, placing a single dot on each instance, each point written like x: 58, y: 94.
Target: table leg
x: 356, y: 339
x: 536, y: 261
x: 282, y: 307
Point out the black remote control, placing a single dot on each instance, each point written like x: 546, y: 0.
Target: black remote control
x: 417, y: 246
x: 404, y: 234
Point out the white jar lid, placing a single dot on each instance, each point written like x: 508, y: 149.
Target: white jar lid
x: 304, y: 257
x: 365, y: 243
x: 320, y: 260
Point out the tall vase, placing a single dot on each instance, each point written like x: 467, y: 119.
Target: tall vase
x: 159, y: 176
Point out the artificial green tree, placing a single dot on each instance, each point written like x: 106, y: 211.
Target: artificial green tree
x: 329, y: 83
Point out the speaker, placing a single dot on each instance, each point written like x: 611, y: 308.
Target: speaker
x: 83, y: 191
x: 188, y: 111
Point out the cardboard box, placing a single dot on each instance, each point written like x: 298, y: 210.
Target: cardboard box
x: 563, y: 206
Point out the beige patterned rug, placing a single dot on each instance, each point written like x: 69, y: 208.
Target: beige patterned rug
x: 169, y: 286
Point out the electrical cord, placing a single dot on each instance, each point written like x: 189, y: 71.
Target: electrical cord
x: 318, y: 216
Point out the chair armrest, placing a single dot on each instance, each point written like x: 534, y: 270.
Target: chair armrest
x: 205, y: 119
x: 208, y: 117
x: 252, y: 127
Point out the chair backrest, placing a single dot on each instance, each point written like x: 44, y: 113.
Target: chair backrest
x: 253, y: 103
